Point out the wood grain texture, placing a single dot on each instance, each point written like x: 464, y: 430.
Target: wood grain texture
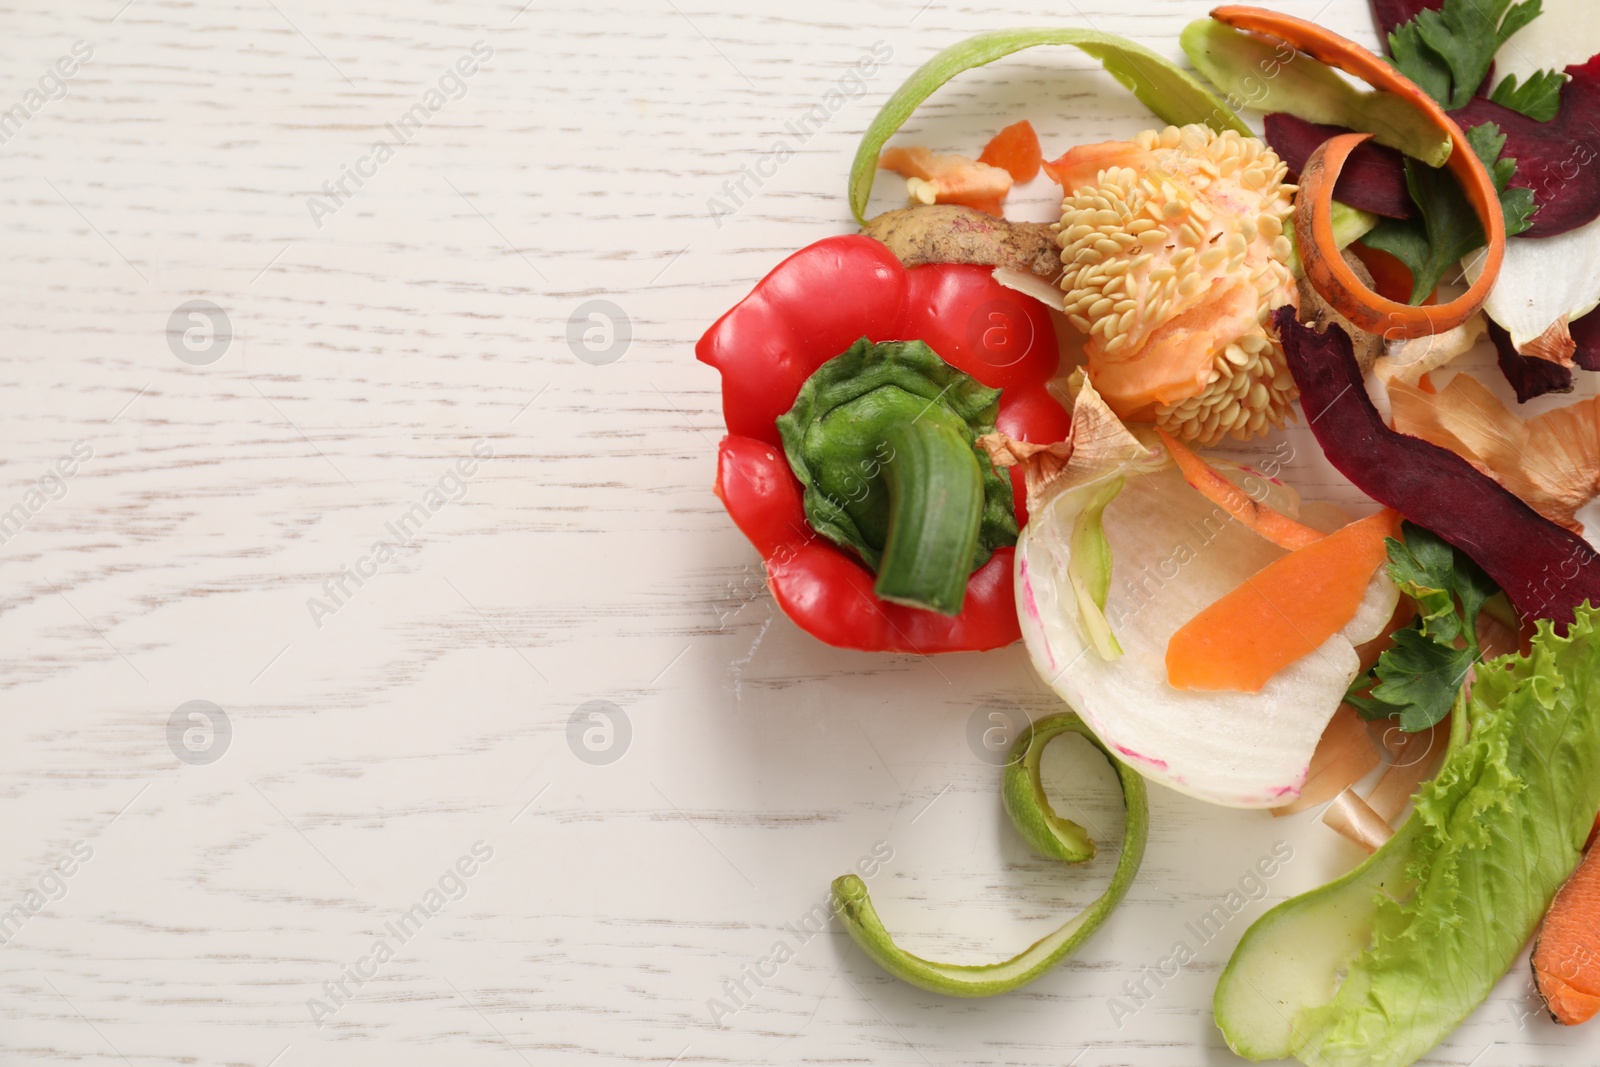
x: 372, y: 746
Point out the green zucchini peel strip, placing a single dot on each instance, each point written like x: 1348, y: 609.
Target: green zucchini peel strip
x: 1051, y: 836
x: 1175, y: 95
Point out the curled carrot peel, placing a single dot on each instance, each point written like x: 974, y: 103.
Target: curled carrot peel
x: 1281, y: 613
x: 1273, y: 525
x: 1326, y: 269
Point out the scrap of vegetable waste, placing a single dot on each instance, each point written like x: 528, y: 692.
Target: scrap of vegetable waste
x: 1052, y: 837
x: 954, y: 234
x: 1174, y: 252
x: 1174, y: 94
x: 811, y: 308
x: 1015, y: 150
x: 1374, y: 178
x: 1280, y: 614
x: 1257, y: 72
x: 1546, y: 570
x: 940, y: 178
x: 1416, y: 680
x: 940, y: 509
x: 1171, y: 552
x: 1375, y: 968
x: 982, y: 184
x: 1566, y: 957
x: 1314, y: 223
x: 1551, y: 461
x: 1542, y: 145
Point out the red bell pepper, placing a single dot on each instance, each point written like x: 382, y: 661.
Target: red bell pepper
x: 809, y: 309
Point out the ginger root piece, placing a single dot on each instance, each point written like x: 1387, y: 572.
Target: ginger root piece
x: 948, y: 233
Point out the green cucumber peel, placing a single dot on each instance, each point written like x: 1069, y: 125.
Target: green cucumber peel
x: 1254, y: 71
x: 884, y: 438
x: 1175, y: 95
x: 1051, y: 836
x: 1089, y: 570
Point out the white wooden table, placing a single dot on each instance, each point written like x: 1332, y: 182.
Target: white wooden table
x: 382, y: 384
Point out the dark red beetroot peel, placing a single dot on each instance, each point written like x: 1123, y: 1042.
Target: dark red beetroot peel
x: 1546, y: 570
x: 1390, y: 15
x: 1372, y: 179
x: 1560, y: 159
x: 1528, y: 375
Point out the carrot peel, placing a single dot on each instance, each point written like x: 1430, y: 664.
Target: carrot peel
x: 1273, y: 525
x: 1015, y: 150
x: 1566, y: 959
x: 1283, y: 612
x: 1325, y: 267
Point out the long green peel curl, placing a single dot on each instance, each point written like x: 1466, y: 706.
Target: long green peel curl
x: 1051, y: 836
x: 1174, y: 94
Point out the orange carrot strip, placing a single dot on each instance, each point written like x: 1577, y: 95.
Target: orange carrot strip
x: 1015, y: 149
x: 1284, y: 611
x: 1273, y: 525
x: 1325, y: 267
x: 1566, y: 958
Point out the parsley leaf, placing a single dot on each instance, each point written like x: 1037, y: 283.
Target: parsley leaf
x: 1448, y: 52
x: 1539, y: 97
x: 1422, y: 677
x: 1448, y: 228
x: 1417, y: 680
x: 1435, y: 575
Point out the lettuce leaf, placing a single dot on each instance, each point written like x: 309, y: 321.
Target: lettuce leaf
x: 1377, y: 967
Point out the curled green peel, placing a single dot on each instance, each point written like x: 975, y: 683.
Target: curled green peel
x: 1175, y: 95
x: 1051, y: 836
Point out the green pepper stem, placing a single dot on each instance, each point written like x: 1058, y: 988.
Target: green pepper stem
x: 935, y: 510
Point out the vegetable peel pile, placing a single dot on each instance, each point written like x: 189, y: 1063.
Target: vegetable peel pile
x: 1234, y: 748
x: 1332, y: 976
x: 901, y: 454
